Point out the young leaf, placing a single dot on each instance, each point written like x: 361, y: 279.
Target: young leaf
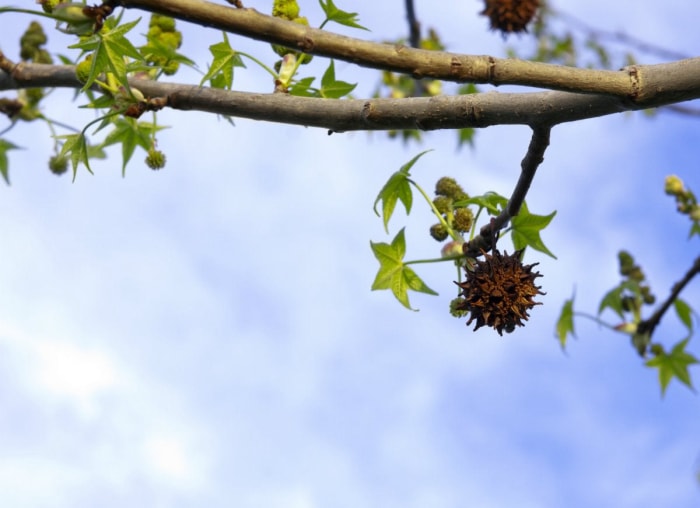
x: 684, y: 313
x: 332, y: 89
x: 491, y: 201
x: 341, y: 17
x: 526, y: 229
x: 75, y: 147
x: 565, y: 324
x: 109, y: 50
x: 396, y: 188
x: 393, y: 274
x: 4, y: 147
x: 673, y: 364
x: 225, y: 59
x: 131, y: 133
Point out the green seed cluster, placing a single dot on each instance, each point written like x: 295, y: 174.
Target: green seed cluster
x: 686, y: 202
x: 448, y: 195
x: 163, y: 41
x: 31, y: 44
x: 155, y: 159
x: 633, y: 272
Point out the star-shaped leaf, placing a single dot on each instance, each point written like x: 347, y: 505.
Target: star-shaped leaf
x: 131, y: 133
x: 393, y: 274
x: 526, y: 229
x: 333, y: 89
x: 565, y: 324
x: 396, y: 188
x: 220, y: 73
x: 4, y: 170
x: 673, y: 364
x: 339, y: 16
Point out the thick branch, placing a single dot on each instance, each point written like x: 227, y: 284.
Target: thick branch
x: 632, y: 82
x: 532, y: 160
x: 441, y: 112
x: 649, y: 325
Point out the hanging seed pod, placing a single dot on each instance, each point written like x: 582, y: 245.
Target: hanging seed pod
x: 510, y: 16
x: 499, y: 291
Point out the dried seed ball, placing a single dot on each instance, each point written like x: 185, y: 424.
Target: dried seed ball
x: 510, y: 16
x: 499, y: 291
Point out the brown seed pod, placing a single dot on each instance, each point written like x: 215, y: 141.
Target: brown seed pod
x: 510, y: 16
x: 499, y: 291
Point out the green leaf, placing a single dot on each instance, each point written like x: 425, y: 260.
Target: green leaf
x: 673, y: 364
x: 393, y: 274
x: 526, y: 229
x: 339, y: 16
x: 302, y: 88
x: 493, y: 202
x: 565, y: 324
x: 130, y: 133
x: 396, y: 188
x: 332, y: 89
x: 75, y: 148
x: 684, y: 313
x: 109, y: 50
x: 465, y: 137
x: 220, y: 73
x: 4, y: 166
x: 613, y: 298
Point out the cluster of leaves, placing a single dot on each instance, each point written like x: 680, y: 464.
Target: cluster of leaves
x: 109, y: 58
x: 632, y: 295
x: 396, y: 274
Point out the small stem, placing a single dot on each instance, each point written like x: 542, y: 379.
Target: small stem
x: 454, y: 257
x: 595, y: 318
x: 255, y: 60
x: 533, y: 158
x: 648, y: 325
x: 455, y: 236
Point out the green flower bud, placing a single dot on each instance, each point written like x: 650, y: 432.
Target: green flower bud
x: 58, y: 164
x: 449, y: 187
x: 674, y: 185
x: 439, y: 232
x: 287, y: 9
x: 155, y: 159
x: 458, y: 307
x: 165, y: 23
x: 443, y: 204
x: 695, y: 213
x: 657, y: 349
x: 82, y: 70
x: 463, y: 219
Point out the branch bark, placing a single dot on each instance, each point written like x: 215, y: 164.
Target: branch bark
x: 433, y: 113
x: 636, y: 83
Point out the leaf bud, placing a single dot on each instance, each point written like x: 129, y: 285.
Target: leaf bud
x: 82, y: 70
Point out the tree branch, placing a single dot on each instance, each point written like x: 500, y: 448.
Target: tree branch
x: 532, y: 160
x: 631, y: 82
x: 425, y: 113
x: 649, y: 325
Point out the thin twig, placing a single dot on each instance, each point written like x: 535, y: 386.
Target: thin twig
x: 533, y: 158
x: 413, y: 25
x: 648, y: 325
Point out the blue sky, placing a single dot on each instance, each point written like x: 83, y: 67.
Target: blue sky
x: 205, y: 335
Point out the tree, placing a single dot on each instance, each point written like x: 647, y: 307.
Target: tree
x: 120, y: 74
x: 123, y: 80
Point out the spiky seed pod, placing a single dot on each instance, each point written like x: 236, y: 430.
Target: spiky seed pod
x: 510, y: 16
x: 499, y: 291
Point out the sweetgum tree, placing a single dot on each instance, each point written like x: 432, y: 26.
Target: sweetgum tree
x: 122, y: 58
